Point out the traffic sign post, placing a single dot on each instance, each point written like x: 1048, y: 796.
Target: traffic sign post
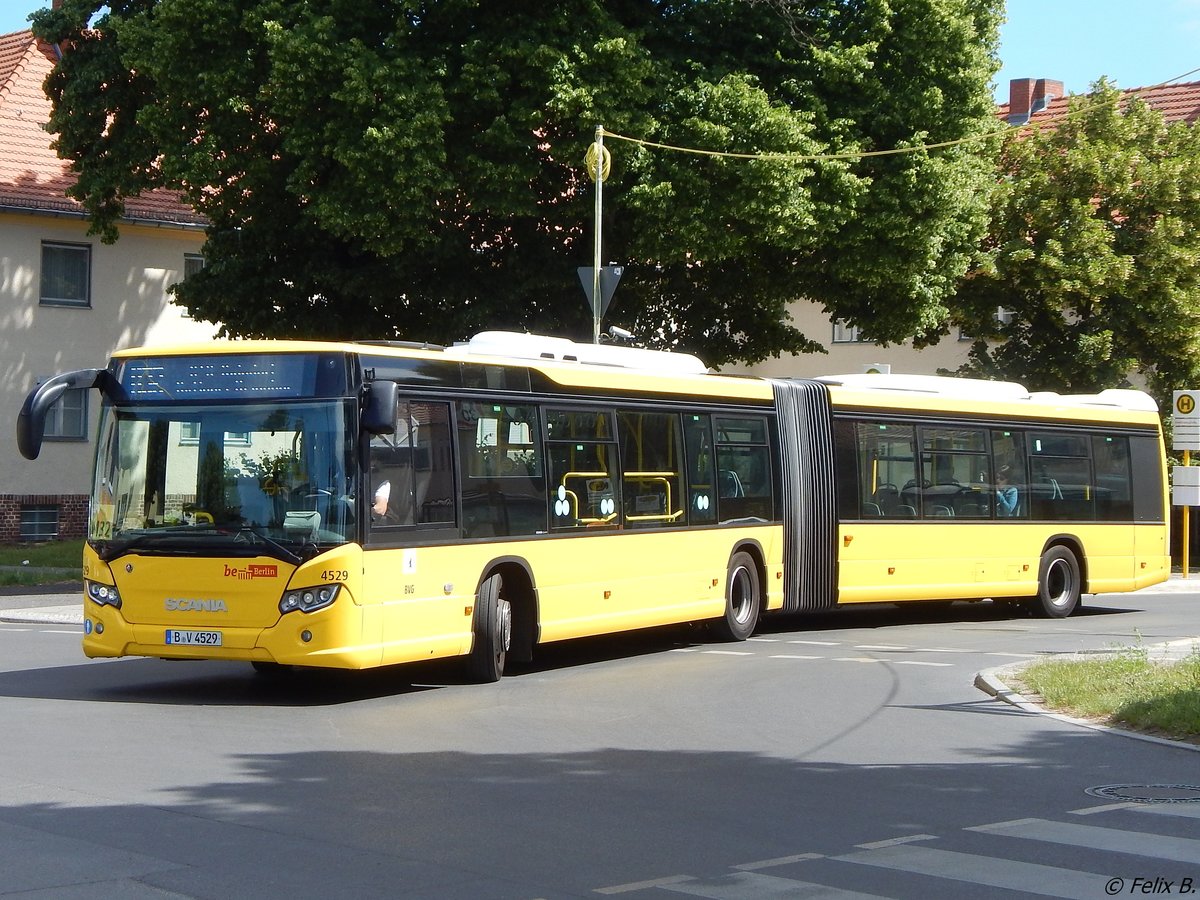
x: 1185, y: 479
x: 597, y: 160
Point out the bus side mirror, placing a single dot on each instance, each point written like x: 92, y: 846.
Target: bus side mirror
x: 31, y: 420
x: 379, y: 413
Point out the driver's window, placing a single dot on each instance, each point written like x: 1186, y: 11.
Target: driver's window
x: 412, y: 469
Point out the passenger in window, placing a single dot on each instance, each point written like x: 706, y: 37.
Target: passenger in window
x: 1007, y: 498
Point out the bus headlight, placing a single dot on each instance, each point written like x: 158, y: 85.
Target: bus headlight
x: 309, y: 599
x: 104, y: 594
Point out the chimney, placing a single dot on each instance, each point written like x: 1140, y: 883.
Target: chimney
x: 1020, y: 98
x: 1027, y: 96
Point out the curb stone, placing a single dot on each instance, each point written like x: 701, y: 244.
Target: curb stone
x: 992, y: 682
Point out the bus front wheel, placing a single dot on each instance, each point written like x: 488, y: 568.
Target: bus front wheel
x: 1059, y: 583
x: 743, y: 599
x: 493, y: 632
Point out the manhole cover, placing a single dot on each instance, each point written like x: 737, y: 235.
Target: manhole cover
x: 1147, y: 793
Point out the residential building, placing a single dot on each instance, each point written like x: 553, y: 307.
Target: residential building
x: 67, y: 300
x: 1038, y: 101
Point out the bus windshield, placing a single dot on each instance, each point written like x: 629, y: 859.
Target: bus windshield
x: 244, y: 479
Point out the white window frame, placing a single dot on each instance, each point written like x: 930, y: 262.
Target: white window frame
x: 845, y: 333
x: 67, y: 419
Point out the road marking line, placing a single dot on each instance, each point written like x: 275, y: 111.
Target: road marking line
x: 686, y: 649
x: 779, y: 861
x: 917, y: 662
x: 642, y: 885
x: 857, y: 659
x: 1015, y: 655
x: 818, y: 643
x: 793, y: 656
x: 1089, y: 810
x: 894, y: 842
x: 729, y: 652
x: 878, y: 647
x: 941, y: 650
x: 762, y: 640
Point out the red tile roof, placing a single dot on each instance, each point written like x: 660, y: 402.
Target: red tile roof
x: 32, y: 177
x: 1176, y: 102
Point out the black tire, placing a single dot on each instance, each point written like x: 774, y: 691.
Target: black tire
x: 492, y: 632
x: 1059, y: 584
x: 743, y: 599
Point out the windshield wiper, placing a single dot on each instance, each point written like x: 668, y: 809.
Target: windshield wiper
x: 284, y: 552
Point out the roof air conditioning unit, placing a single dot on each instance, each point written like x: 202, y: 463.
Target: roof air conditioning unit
x: 877, y: 369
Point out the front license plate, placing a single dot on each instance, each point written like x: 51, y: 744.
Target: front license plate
x: 194, y: 638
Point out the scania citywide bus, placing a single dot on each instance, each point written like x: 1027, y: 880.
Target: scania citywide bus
x: 357, y: 505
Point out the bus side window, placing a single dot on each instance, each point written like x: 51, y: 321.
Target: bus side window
x: 744, y: 484
x: 702, y: 494
x: 887, y: 470
x: 503, y: 486
x: 581, y: 452
x: 651, y: 462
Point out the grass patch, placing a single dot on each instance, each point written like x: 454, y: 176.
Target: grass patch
x: 49, y: 563
x: 18, y: 578
x: 1126, y: 689
x: 57, y: 554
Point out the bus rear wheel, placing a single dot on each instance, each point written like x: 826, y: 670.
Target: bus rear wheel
x: 1059, y: 584
x: 493, y: 632
x: 743, y: 599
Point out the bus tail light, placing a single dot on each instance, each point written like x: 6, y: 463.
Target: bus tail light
x: 309, y: 599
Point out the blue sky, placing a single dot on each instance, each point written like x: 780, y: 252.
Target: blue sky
x: 1135, y: 43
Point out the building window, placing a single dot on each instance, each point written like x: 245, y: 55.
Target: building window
x: 66, y: 274
x: 39, y: 523
x: 845, y: 333
x: 189, y: 435
x: 67, y: 419
x: 192, y: 263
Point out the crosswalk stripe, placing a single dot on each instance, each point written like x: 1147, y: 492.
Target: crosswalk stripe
x: 753, y: 886
x: 643, y: 885
x: 778, y: 861
x: 1183, y: 810
x: 1112, y: 840
x: 1013, y: 875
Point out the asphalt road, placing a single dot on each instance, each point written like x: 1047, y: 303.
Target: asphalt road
x: 842, y: 755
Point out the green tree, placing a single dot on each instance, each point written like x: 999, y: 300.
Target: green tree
x: 381, y: 168
x: 1095, y: 250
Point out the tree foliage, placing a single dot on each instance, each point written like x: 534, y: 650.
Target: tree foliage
x: 382, y: 168
x: 1095, y: 249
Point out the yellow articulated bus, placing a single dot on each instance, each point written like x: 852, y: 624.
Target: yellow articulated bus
x: 354, y: 505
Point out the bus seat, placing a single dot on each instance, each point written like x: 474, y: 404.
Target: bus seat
x: 731, y: 484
